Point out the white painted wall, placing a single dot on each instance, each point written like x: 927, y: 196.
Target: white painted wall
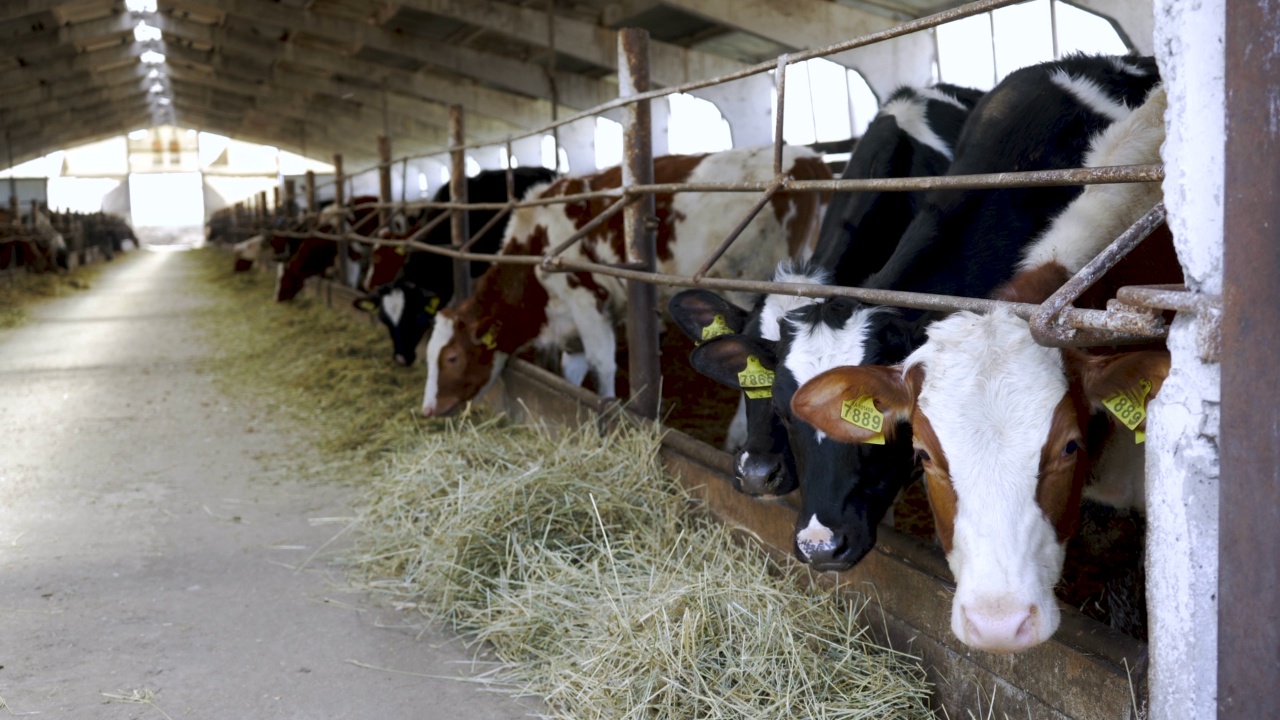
x: 1135, y: 17
x: 1182, y: 445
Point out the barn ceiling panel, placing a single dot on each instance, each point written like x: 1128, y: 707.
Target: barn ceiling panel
x: 342, y: 71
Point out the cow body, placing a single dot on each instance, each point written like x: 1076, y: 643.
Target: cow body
x: 312, y: 256
x: 1010, y: 433
x: 514, y: 306
x: 913, y: 135
x: 408, y: 288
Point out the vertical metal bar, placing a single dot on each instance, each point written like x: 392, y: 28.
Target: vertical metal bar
x: 1249, y: 441
x: 1053, y: 28
x: 339, y: 190
x: 384, y: 179
x: 311, y: 194
x: 643, y: 351
x: 275, y: 201
x: 290, y: 198
x: 460, y: 222
x: 780, y: 85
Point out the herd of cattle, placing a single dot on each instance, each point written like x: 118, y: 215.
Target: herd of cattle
x: 843, y: 400
x: 38, y: 243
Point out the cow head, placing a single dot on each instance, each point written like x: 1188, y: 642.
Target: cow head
x: 999, y: 425
x: 463, y: 359
x: 407, y: 310
x: 385, y: 262
x: 846, y: 489
x: 763, y: 466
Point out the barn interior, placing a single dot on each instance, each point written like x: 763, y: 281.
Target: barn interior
x: 167, y: 111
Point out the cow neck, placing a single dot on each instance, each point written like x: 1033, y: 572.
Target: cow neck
x: 516, y: 290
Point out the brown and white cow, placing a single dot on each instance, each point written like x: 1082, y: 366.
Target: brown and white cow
x: 1008, y: 431
x: 513, y: 306
x: 312, y: 256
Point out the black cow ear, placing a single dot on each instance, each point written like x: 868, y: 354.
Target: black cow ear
x: 723, y: 358
x: 703, y: 315
x: 366, y: 303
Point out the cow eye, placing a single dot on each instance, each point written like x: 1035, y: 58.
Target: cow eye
x: 922, y: 455
x: 1071, y: 447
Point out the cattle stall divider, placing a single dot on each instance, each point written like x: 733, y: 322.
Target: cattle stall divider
x: 1135, y: 314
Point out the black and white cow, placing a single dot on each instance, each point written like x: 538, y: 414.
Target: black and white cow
x: 1013, y: 434
x: 964, y: 243
x: 407, y: 289
x: 912, y: 136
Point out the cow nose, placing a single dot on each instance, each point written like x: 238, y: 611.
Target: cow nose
x: 403, y: 361
x: 822, y: 548
x: 995, y: 630
x: 758, y: 473
x: 428, y: 411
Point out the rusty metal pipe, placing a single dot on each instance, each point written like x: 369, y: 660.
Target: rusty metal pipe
x: 643, y: 348
x: 737, y: 231
x: 458, y: 194
x: 1044, y: 325
x: 618, y: 206
x: 487, y: 227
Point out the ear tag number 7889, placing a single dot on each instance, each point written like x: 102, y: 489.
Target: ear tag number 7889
x: 863, y: 413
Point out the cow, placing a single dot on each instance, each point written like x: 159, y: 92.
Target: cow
x: 514, y: 305
x: 1010, y: 434
x: 408, y: 288
x: 913, y: 135
x: 960, y: 243
x: 312, y: 256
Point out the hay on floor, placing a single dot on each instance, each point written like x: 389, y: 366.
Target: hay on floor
x: 603, y: 590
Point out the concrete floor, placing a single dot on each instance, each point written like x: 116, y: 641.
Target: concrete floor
x: 148, y: 527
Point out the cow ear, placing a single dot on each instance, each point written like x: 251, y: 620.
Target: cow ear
x: 703, y: 315
x: 723, y: 358
x: 1123, y: 383
x: 856, y: 404
x: 366, y: 303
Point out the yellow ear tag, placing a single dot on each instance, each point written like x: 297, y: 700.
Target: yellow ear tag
x: 717, y: 328
x: 863, y: 413
x: 368, y: 305
x: 1130, y: 407
x: 756, y: 381
x: 490, y: 338
x: 400, y: 250
x: 433, y: 305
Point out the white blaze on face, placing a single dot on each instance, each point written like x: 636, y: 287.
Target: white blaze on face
x: 820, y: 347
x: 815, y: 537
x: 440, y: 336
x: 393, y: 305
x: 990, y: 393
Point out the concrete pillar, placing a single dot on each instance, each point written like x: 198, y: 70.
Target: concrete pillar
x: 907, y: 60
x: 661, y: 114
x: 578, y: 139
x: 745, y: 106
x: 1182, y: 437
x: 489, y: 157
x: 528, y: 151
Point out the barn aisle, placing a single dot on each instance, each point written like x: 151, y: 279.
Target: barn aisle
x: 148, y: 528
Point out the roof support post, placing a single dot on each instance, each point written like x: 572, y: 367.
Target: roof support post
x: 384, y: 179
x: 339, y: 187
x: 459, y: 222
x: 1249, y: 483
x: 639, y: 223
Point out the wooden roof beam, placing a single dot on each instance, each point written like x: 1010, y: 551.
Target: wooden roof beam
x: 72, y: 87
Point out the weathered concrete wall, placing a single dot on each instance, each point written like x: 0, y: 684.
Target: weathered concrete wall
x: 1135, y: 17
x: 1182, y: 452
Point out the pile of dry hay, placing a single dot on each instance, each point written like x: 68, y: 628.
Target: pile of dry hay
x: 584, y: 567
x: 18, y: 289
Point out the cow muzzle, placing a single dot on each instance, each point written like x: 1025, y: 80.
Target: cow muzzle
x: 761, y: 475
x: 1003, y: 625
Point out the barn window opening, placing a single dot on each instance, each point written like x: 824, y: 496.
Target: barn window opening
x: 825, y: 102
x: 608, y: 143
x: 979, y: 51
x: 696, y: 126
x: 151, y: 57
x: 473, y: 166
x: 146, y: 33
x: 140, y: 6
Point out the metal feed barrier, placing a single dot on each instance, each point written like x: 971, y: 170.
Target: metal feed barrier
x: 1136, y: 314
